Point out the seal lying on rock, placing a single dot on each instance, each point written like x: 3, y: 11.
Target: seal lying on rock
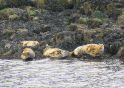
x: 55, y: 53
x: 29, y: 43
x: 91, y: 49
x: 27, y: 54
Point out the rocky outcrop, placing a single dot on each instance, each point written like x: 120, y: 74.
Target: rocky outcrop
x: 60, y: 27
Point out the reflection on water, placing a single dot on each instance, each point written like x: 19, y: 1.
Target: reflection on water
x: 48, y: 73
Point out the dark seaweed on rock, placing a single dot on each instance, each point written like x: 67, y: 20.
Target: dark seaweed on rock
x: 65, y: 24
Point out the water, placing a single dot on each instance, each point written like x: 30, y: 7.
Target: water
x: 48, y: 73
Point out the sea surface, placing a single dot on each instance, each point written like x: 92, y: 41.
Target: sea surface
x: 74, y: 73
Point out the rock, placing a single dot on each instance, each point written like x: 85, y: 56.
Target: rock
x: 98, y: 14
x: 8, y: 46
x: 7, y: 53
x: 120, y: 52
x: 113, y: 47
x: 43, y: 29
x: 13, y: 17
x: 46, y: 28
x: 7, y: 33
x: 121, y: 1
x: 29, y: 43
x: 27, y: 54
x: 94, y: 22
x: 67, y: 39
x: 120, y: 20
x: 93, y: 35
x: 83, y: 20
x: 87, y: 8
x: 91, y: 22
x: 74, y: 18
x: 22, y: 31
x: 72, y: 27
x: 35, y: 18
x: 5, y: 13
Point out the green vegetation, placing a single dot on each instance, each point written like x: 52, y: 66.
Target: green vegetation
x: 13, y: 17
x: 91, y: 22
x: 8, y: 32
x: 40, y: 3
x: 8, y: 14
x: 30, y: 12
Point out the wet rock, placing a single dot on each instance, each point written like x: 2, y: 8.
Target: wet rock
x: 35, y: 18
x: 46, y: 28
x: 8, y: 46
x: 93, y: 35
x: 72, y: 27
x: 120, y: 20
x: 74, y: 18
x: 99, y: 14
x: 113, y: 47
x: 94, y: 23
x: 87, y: 8
x: 9, y: 49
x: 67, y: 40
x: 7, y: 33
x: 120, y: 52
x: 42, y: 29
x: 9, y: 52
x: 22, y: 31
x: 13, y: 17
x: 83, y: 20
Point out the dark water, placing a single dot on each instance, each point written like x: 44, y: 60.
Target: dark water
x: 48, y: 73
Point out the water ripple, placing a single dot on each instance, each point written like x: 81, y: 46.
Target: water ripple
x: 48, y: 73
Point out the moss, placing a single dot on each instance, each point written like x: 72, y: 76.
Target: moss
x: 8, y: 52
x: 112, y: 11
x: 83, y: 20
x: 87, y: 8
x: 72, y: 27
x: 13, y: 17
x: 68, y: 3
x: 98, y: 14
x: 94, y: 22
x: 2, y: 4
x: 40, y: 3
x: 120, y: 20
x: 121, y: 1
x: 91, y: 22
x: 5, y: 13
x: 121, y: 10
x: 20, y: 36
x: 7, y: 33
x: 30, y: 12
